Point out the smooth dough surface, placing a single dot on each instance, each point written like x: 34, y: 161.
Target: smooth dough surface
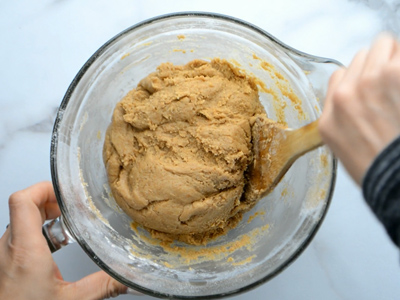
x: 178, y: 147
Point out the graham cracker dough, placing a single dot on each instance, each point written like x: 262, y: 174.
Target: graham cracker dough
x: 178, y: 147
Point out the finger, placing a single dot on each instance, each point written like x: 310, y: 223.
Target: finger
x: 335, y: 80
x: 4, y: 240
x: 96, y: 286
x: 380, y: 53
x: 391, y: 80
x: 42, y: 195
x: 28, y: 210
x: 396, y: 47
x: 392, y: 70
x: 57, y: 272
x: 133, y: 292
x: 355, y: 69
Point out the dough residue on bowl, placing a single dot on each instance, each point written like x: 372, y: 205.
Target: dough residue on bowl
x: 178, y: 148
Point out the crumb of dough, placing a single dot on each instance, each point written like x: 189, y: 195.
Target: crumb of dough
x: 178, y: 147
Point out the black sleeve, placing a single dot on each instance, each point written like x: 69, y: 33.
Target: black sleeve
x: 381, y: 188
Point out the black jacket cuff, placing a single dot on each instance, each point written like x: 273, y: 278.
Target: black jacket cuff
x: 381, y: 189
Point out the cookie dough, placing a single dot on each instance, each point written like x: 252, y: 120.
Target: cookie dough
x: 178, y: 147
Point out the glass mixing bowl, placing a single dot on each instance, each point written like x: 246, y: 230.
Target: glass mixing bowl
x: 269, y: 237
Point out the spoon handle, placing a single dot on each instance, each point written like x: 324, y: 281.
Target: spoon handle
x: 304, y: 139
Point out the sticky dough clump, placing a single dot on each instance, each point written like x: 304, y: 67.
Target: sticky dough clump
x: 178, y: 147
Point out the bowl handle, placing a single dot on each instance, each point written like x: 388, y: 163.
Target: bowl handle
x: 57, y: 234
x: 318, y: 70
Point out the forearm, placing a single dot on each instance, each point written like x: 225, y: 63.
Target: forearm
x: 381, y: 188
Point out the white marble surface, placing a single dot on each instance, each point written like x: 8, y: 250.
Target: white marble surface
x: 44, y: 44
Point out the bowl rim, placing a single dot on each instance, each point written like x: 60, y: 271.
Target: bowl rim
x: 54, y: 145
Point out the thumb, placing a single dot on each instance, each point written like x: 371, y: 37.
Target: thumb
x: 97, y: 286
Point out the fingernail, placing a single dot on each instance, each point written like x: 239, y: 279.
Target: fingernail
x: 130, y: 291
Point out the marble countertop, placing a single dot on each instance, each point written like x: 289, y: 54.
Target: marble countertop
x: 44, y: 44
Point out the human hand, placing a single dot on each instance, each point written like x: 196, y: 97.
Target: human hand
x: 27, y: 269
x: 362, y: 108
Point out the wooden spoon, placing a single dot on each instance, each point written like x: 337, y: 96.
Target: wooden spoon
x: 275, y: 149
